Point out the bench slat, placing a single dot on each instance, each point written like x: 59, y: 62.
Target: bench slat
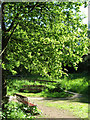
x: 29, y: 89
x: 34, y: 86
x: 20, y: 95
x: 24, y: 100
x: 44, y: 80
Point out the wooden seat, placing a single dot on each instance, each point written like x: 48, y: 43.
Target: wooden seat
x: 34, y: 86
x: 44, y: 81
x: 31, y: 90
x: 23, y: 99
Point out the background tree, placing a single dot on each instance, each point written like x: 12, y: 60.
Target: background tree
x: 46, y: 39
x: 42, y: 37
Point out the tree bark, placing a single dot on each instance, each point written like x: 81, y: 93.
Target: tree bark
x: 4, y: 44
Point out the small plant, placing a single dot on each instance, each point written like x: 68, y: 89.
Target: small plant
x: 57, y: 88
x: 15, y: 110
x: 30, y: 109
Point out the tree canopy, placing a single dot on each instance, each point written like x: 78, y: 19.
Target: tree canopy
x: 43, y: 37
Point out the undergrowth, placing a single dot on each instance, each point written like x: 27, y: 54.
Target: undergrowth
x: 14, y: 110
x: 77, y: 82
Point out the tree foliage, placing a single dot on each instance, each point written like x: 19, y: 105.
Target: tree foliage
x: 43, y: 37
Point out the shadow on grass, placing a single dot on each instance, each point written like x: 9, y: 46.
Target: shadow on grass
x: 55, y: 93
x: 81, y: 99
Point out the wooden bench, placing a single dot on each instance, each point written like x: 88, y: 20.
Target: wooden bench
x: 33, y: 88
x: 44, y: 80
x: 31, y: 108
x: 24, y: 100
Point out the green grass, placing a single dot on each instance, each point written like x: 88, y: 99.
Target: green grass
x: 62, y: 94
x: 17, y: 84
x: 74, y: 82
x: 30, y: 94
x: 47, y: 94
x: 78, y: 109
x: 77, y: 82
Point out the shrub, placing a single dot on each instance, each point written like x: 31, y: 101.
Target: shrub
x: 15, y: 110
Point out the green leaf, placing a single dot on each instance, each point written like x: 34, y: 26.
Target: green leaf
x: 17, y: 63
x: 13, y: 72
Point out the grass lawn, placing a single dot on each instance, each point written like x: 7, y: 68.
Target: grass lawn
x: 80, y: 110
x: 74, y: 82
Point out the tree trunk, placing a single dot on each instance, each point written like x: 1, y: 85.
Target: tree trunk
x: 4, y: 86
x: 4, y: 44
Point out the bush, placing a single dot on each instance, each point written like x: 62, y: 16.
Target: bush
x: 55, y: 94
x: 16, y: 110
x: 57, y: 88
x: 76, y: 83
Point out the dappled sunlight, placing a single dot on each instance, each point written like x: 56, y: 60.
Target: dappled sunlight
x: 77, y: 108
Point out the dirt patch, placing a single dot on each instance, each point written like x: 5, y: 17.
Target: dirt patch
x: 50, y: 112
